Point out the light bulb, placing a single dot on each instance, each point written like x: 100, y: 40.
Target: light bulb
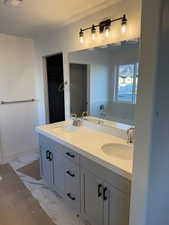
x: 81, y: 36
x: 107, y: 32
x: 124, y: 24
x: 93, y: 36
x: 93, y: 31
x: 81, y: 40
x: 123, y: 28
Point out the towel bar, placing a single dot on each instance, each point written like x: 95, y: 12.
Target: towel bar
x: 13, y: 102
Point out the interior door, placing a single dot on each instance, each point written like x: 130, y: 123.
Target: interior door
x: 55, y: 80
x: 78, y: 88
x: 92, y: 200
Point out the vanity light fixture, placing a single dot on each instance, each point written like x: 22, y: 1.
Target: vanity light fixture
x: 104, y: 27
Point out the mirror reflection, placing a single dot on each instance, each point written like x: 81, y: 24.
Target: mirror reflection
x: 104, y: 80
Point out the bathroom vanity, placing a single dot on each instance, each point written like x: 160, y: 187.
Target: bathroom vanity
x: 77, y: 163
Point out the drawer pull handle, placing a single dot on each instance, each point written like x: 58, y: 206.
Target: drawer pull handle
x: 70, y: 155
x: 70, y: 196
x: 47, y: 154
x: 70, y: 174
x: 50, y: 156
x: 100, y: 190
x: 104, y: 194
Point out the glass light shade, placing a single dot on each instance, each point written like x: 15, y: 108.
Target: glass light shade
x: 81, y: 39
x: 107, y: 31
x: 124, y: 27
x: 94, y: 36
x: 93, y: 33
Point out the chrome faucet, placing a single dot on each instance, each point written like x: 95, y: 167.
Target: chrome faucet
x: 130, y: 135
x: 84, y: 114
x: 75, y: 120
x: 73, y: 116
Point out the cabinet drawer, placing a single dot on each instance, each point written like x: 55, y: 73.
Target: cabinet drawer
x: 73, y: 201
x: 72, y: 172
x: 68, y: 153
x: 72, y: 184
x: 71, y: 155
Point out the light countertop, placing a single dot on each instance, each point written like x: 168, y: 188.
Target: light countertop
x: 88, y: 143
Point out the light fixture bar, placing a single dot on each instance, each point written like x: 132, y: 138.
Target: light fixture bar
x: 104, y: 26
x: 111, y: 21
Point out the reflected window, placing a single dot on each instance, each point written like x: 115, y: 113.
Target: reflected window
x: 126, y: 83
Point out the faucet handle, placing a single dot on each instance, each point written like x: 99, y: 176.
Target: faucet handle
x: 74, y: 116
x: 130, y: 135
x: 84, y: 114
x: 131, y: 130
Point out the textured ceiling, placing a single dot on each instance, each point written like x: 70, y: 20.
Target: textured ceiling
x: 34, y: 17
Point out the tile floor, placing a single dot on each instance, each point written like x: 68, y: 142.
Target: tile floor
x: 53, y: 205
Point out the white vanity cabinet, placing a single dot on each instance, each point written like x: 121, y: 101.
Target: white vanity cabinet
x: 101, y: 196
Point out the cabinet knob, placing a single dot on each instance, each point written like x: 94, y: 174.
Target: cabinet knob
x: 47, y: 154
x: 104, y: 194
x: 70, y: 174
x: 70, y: 196
x: 70, y: 155
x: 50, y: 156
x: 100, y: 190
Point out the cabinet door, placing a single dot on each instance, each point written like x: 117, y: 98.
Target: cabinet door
x: 46, y: 164
x: 116, y: 207
x: 92, y: 201
x: 58, y: 172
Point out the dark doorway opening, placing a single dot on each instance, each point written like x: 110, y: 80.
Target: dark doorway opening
x: 78, y: 88
x: 55, y: 82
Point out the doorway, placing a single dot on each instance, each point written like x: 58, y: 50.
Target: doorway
x: 55, y: 83
x: 78, y: 88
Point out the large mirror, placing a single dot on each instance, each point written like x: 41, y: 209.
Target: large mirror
x: 103, y: 81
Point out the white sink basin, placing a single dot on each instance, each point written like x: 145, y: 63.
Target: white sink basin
x: 121, y: 151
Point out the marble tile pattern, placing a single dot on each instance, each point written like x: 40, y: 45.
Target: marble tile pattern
x: 51, y: 203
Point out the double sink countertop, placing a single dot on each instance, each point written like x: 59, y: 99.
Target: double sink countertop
x: 89, y: 143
